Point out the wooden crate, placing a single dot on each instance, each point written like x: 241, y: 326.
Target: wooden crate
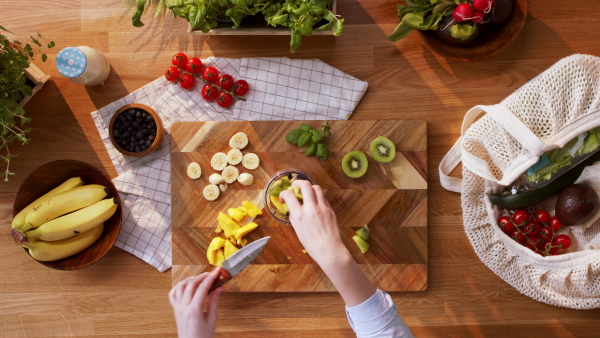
x: 37, y: 76
x: 255, y: 25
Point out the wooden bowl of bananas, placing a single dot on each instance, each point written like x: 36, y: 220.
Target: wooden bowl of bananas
x: 67, y: 214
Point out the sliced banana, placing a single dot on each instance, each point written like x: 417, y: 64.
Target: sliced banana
x: 194, y: 171
x: 215, y: 179
x: 238, y: 141
x: 211, y: 192
x: 223, y: 187
x: 219, y: 161
x: 230, y: 174
x: 234, y: 156
x: 246, y: 179
x: 250, y: 161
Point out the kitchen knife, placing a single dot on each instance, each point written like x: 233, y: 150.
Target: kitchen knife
x: 238, y: 261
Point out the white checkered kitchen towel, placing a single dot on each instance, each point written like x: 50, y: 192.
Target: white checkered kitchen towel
x: 280, y: 89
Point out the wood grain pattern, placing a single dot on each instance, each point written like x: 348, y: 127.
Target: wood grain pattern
x: 122, y: 296
x: 391, y: 198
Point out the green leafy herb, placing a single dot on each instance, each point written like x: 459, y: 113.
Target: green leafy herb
x: 14, y: 58
x: 421, y: 15
x: 307, y: 136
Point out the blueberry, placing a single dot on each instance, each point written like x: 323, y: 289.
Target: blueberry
x: 148, y: 143
x: 127, y: 134
x: 116, y: 133
x: 138, y: 149
x: 125, y: 124
x: 151, y: 138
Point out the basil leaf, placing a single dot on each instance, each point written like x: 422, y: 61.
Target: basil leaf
x: 322, y: 151
x: 317, y: 136
x: 293, y: 136
x: 303, y: 140
x: 305, y: 127
x: 311, y: 149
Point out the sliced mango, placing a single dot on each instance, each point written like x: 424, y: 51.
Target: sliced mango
x: 219, y: 257
x: 236, y: 213
x: 243, y: 231
x: 227, y: 224
x: 215, y: 245
x: 282, y: 207
x: 229, y: 249
x: 251, y: 209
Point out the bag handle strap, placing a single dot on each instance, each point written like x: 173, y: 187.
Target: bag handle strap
x: 457, y: 154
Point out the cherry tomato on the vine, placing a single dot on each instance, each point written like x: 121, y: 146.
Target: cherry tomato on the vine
x: 519, y: 237
x: 210, y: 74
x: 532, y: 228
x: 550, y: 250
x: 187, y: 81
x: 562, y: 241
x: 240, y: 87
x: 546, y: 233
x: 543, y: 216
x: 194, y: 66
x: 555, y: 224
x: 179, y: 60
x: 506, y: 225
x: 209, y: 92
x: 535, y: 243
x: 226, y: 82
x: 172, y: 74
x: 520, y: 217
x: 224, y: 100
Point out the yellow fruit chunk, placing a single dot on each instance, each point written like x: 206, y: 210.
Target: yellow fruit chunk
x: 215, y: 245
x: 251, y: 209
x: 229, y: 249
x: 227, y: 224
x: 236, y: 213
x: 282, y: 207
x: 219, y: 257
x: 244, y: 242
x: 243, y: 231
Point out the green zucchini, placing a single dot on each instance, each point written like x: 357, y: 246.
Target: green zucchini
x: 527, y: 198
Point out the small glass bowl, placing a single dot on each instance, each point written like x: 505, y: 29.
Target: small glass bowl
x: 291, y: 173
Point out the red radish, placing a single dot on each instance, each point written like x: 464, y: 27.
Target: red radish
x: 478, y: 16
x: 462, y: 12
x: 483, y: 5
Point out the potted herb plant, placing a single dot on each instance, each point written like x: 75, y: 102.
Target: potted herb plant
x: 19, y: 80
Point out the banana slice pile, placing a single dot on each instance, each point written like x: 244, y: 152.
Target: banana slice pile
x: 64, y: 221
x: 226, y: 164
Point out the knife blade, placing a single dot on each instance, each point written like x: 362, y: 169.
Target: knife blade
x: 238, y: 261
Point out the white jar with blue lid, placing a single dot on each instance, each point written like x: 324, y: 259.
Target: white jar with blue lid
x: 83, y: 65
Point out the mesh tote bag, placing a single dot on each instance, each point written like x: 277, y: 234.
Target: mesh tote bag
x: 498, y: 144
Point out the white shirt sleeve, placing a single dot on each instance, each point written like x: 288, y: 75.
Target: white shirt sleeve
x: 377, y: 317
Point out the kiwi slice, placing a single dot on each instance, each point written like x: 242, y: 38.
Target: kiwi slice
x: 382, y: 149
x: 362, y: 244
x: 355, y: 164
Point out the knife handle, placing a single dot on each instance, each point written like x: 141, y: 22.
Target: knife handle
x: 223, y: 278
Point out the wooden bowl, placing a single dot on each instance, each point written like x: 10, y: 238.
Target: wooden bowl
x: 51, y: 175
x: 497, y: 38
x: 159, y: 129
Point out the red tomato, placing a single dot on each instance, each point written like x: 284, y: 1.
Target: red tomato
x: 546, y: 233
x: 224, y: 100
x: 240, y: 87
x: 543, y: 216
x: 555, y: 224
x: 210, y: 74
x: 532, y: 228
x: 179, y: 60
x: 506, y: 225
x: 187, y: 81
x: 520, y: 217
x: 519, y: 237
x: 172, y: 74
x: 562, y: 241
x: 226, y: 82
x: 550, y: 250
x: 535, y: 243
x: 194, y: 66
x: 209, y: 92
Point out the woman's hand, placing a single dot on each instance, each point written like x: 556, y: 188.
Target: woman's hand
x: 315, y: 223
x: 187, y: 299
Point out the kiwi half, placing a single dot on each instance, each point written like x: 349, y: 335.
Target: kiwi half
x: 382, y: 149
x: 355, y: 164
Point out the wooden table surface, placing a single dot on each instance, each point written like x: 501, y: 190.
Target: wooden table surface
x: 123, y: 296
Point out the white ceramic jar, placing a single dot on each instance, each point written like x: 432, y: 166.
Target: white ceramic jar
x: 83, y: 65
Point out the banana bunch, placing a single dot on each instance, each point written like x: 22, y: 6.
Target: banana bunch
x: 64, y: 221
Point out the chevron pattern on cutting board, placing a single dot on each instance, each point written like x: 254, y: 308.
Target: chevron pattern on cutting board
x: 391, y: 198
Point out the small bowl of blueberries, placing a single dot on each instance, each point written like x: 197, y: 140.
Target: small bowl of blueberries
x: 135, y: 130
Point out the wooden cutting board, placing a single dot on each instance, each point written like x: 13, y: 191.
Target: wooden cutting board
x: 391, y: 198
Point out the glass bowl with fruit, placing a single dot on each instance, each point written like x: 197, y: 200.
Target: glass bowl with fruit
x: 282, y: 180
x: 135, y: 130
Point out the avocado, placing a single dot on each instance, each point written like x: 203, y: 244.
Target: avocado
x: 576, y: 204
x: 454, y: 33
